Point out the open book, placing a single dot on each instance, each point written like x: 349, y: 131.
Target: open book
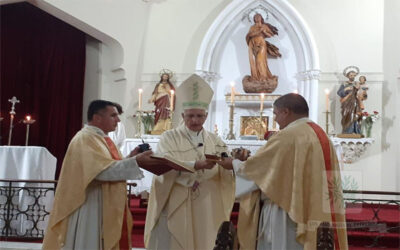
x: 168, y: 163
x: 213, y: 158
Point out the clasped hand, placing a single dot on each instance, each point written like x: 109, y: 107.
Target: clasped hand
x: 204, y: 164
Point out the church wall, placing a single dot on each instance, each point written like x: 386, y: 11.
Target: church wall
x: 391, y: 91
x: 168, y: 34
x: 92, y: 89
x: 126, y: 22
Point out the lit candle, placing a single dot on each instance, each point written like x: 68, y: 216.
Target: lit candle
x: 140, y: 99
x: 232, y: 92
x: 172, y: 100
x: 28, y: 121
x: 262, y: 102
x: 327, y: 99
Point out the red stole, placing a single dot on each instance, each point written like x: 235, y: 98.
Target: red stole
x: 324, y: 141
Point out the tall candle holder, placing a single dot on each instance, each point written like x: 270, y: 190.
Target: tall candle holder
x: 231, y: 135
x: 139, y: 124
x: 327, y: 121
x: 1, y: 118
x: 171, y: 114
x: 28, y: 121
x: 13, y: 101
x: 261, y: 134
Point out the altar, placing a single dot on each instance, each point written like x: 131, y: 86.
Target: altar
x: 30, y: 201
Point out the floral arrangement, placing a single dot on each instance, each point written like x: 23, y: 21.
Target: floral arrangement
x: 367, y: 122
x: 148, y: 121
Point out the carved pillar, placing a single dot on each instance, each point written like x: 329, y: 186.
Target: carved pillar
x: 308, y: 88
x: 211, y: 78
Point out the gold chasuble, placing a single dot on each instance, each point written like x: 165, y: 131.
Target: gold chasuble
x: 87, y: 156
x: 298, y: 171
x: 195, y: 204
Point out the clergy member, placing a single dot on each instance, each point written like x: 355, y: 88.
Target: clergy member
x: 90, y: 205
x: 118, y: 135
x: 185, y: 209
x: 294, y: 175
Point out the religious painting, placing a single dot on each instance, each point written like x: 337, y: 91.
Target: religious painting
x: 250, y: 125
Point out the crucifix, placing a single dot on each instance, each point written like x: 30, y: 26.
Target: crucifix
x: 13, y: 100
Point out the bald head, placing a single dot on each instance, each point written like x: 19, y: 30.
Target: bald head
x: 289, y: 108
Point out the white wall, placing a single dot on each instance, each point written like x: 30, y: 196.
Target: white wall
x: 390, y: 132
x: 168, y: 34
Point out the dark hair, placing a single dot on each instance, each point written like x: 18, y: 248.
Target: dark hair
x: 119, y: 108
x: 96, y: 106
x: 258, y: 14
x: 294, y: 102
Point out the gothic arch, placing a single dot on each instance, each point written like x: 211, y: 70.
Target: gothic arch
x: 303, y: 41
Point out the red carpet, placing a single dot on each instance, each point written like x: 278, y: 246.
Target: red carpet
x: 365, y: 231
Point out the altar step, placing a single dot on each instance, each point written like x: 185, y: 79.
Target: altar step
x: 373, y: 226
x: 364, y: 230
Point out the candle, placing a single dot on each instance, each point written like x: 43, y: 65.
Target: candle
x: 172, y: 100
x: 327, y: 100
x: 262, y: 102
x: 232, y: 92
x: 28, y: 118
x: 140, y: 99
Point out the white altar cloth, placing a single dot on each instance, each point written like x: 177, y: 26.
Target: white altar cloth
x: 27, y: 163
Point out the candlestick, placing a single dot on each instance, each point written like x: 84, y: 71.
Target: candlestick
x: 172, y: 100
x: 262, y: 102
x: 171, y: 114
x: 140, y: 99
x: 327, y: 122
x: 13, y: 100
x: 138, y: 124
x: 231, y: 135
x: 327, y: 100
x: 28, y: 121
x: 232, y: 92
x: 261, y: 134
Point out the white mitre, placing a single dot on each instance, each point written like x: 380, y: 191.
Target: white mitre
x: 194, y: 93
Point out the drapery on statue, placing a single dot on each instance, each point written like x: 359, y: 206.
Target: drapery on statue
x: 352, y: 94
x: 161, y: 98
x: 261, y: 79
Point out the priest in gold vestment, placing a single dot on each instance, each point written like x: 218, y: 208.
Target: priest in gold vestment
x: 90, y: 205
x: 185, y: 210
x: 296, y: 175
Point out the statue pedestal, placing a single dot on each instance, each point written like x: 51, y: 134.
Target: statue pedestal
x: 265, y: 86
x: 352, y: 148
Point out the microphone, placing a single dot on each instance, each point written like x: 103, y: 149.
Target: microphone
x: 200, y: 145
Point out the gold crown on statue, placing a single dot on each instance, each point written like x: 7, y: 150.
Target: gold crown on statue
x: 170, y: 73
x: 351, y: 68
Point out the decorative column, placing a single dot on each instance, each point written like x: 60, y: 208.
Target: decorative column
x: 211, y: 78
x: 308, y: 88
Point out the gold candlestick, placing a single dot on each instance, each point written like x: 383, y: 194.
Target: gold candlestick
x: 327, y: 121
x: 28, y: 121
x: 261, y: 134
x: 138, y: 124
x: 171, y: 114
x: 231, y: 135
